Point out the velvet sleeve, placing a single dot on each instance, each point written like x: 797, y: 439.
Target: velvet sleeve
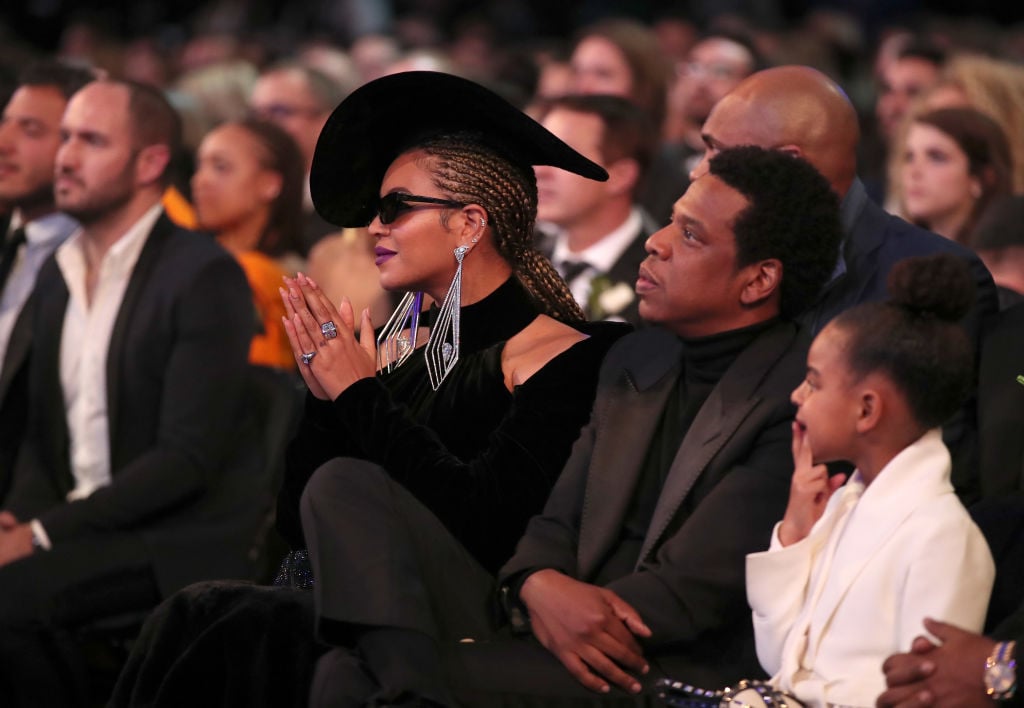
x: 485, y: 501
x: 316, y: 441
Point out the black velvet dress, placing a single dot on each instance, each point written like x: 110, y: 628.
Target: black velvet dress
x: 483, y: 459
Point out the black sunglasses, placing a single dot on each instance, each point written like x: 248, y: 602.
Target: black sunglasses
x: 393, y: 205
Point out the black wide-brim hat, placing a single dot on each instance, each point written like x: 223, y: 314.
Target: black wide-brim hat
x: 387, y: 116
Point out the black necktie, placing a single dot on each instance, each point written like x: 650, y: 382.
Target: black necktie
x: 572, y: 269
x: 9, y: 253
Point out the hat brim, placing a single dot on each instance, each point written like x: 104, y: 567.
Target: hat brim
x: 384, y: 117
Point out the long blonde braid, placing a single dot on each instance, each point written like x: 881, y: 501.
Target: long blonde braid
x: 472, y: 172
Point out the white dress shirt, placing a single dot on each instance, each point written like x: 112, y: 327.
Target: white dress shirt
x: 85, y: 340
x: 42, y: 236
x: 601, y: 256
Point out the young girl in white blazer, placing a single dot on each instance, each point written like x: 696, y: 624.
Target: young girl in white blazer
x: 853, y: 569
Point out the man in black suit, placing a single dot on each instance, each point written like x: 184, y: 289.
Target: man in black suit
x: 635, y: 569
x: 594, y: 232
x: 800, y: 110
x: 29, y: 138
x: 1001, y: 404
x: 127, y: 486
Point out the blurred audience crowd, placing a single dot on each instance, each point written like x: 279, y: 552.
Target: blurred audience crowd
x: 940, y: 144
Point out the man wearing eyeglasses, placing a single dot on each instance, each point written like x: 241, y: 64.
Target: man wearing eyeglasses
x: 299, y: 99
x: 713, y: 66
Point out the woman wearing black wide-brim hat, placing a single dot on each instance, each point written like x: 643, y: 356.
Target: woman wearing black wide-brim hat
x: 455, y: 419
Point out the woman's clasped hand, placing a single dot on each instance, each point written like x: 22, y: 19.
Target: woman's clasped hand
x: 330, y: 355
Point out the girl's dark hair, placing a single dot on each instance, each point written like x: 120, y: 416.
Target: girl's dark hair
x: 280, y: 154
x: 470, y: 171
x: 915, y: 338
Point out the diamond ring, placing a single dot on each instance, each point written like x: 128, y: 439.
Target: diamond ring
x: 329, y: 330
x: 308, y: 357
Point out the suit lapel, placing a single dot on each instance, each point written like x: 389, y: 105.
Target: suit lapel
x: 725, y: 409
x: 17, y: 348
x: 45, y: 386
x: 137, y: 282
x: 627, y: 423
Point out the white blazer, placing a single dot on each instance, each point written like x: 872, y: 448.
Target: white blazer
x: 830, y: 608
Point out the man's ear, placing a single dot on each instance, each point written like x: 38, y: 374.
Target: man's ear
x: 151, y: 163
x: 791, y: 149
x: 765, y: 279
x: 623, y: 176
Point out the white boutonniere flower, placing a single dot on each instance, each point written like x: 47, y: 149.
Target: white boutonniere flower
x: 608, y: 299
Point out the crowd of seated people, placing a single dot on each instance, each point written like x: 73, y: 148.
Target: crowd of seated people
x: 571, y: 510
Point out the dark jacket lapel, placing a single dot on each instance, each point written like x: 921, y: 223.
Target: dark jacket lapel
x: 17, y: 348
x: 725, y: 409
x: 51, y: 304
x: 137, y: 282
x: 626, y: 421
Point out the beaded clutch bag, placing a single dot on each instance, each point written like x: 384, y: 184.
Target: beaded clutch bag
x: 745, y: 694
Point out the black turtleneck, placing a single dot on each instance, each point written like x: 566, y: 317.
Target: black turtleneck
x: 703, y: 363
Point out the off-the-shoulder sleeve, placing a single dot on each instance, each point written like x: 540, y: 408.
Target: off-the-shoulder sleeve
x: 487, y: 500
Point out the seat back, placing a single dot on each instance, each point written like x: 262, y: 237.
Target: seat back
x: 277, y: 397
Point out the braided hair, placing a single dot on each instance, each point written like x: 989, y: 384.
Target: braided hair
x: 470, y: 171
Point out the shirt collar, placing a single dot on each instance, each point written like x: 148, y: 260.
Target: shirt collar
x: 49, y: 229
x: 603, y: 254
x: 125, y: 251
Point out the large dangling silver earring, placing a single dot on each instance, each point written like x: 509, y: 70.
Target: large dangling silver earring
x: 442, y: 350
x: 394, y: 346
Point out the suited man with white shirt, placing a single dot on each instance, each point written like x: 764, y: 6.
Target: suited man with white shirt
x: 594, y: 232
x: 127, y: 486
x: 29, y: 138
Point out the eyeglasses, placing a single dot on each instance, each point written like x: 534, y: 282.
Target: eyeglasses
x: 393, y: 205
x: 276, y: 112
x: 712, y: 72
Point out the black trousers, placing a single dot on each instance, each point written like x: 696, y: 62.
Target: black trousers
x: 49, y: 598
x: 384, y: 563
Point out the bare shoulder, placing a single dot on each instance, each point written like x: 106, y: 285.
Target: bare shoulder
x: 534, y: 346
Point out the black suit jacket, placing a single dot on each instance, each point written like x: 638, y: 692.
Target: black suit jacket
x: 14, y: 396
x: 176, y: 368
x: 1001, y: 404
x: 874, y: 242
x: 725, y: 490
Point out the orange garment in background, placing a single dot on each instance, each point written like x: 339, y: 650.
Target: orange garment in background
x: 178, y: 208
x: 270, y: 345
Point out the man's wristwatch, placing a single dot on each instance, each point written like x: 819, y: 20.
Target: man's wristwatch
x: 1001, y: 672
